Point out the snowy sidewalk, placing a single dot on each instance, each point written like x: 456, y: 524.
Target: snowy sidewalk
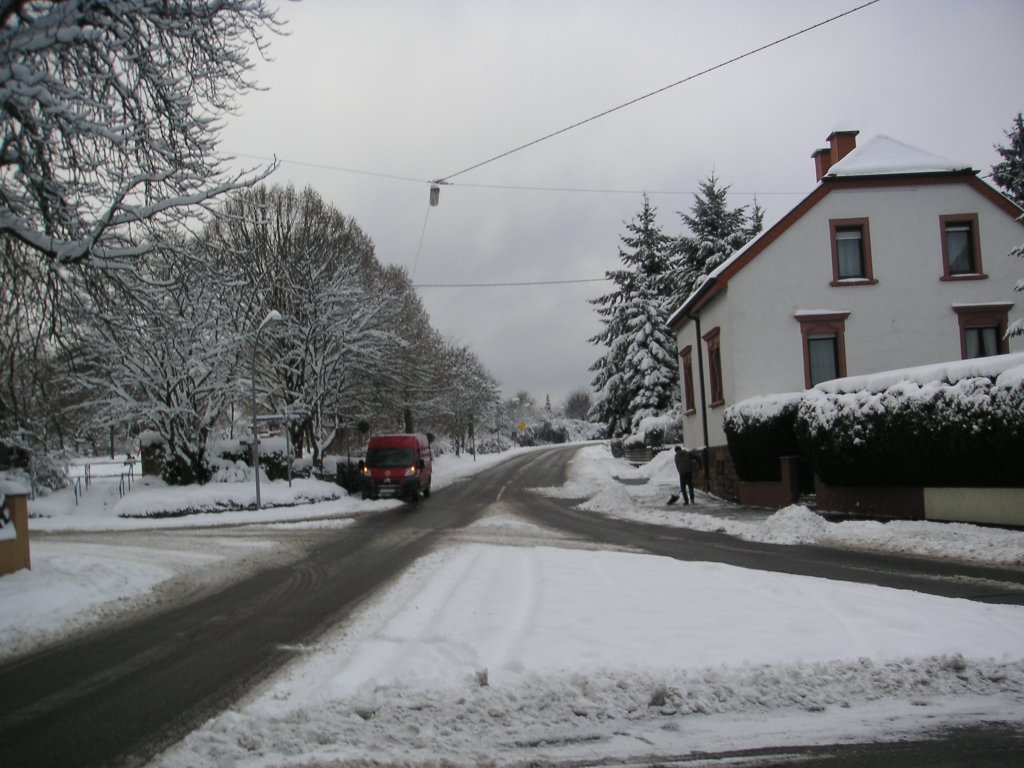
x: 613, y: 487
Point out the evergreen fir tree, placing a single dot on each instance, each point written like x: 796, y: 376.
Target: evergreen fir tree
x: 644, y: 252
x: 651, y: 373
x: 1009, y: 174
x: 715, y: 232
x: 755, y: 222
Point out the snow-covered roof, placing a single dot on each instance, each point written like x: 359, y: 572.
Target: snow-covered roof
x: 882, y: 155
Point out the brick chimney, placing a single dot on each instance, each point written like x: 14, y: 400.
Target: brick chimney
x: 840, y: 144
x: 822, y: 162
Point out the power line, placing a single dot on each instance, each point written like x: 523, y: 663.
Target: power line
x: 506, y: 285
x: 445, y: 179
x: 522, y: 188
x: 325, y: 167
x: 510, y: 187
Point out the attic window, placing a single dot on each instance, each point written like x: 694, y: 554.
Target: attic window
x: 961, y: 250
x: 850, y: 248
x: 851, y: 252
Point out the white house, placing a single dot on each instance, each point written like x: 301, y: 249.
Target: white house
x: 897, y: 258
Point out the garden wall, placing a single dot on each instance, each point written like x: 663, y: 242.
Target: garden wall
x: 774, y: 494
x: 995, y: 506
x: 990, y: 506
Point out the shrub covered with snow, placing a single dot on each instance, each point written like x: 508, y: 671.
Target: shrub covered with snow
x: 275, y: 458
x: 180, y: 468
x: 657, y: 431
x: 952, y: 424
x: 45, y: 470
x: 759, y: 431
x: 966, y: 433
x: 228, y: 458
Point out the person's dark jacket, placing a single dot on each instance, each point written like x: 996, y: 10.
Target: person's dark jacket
x: 686, y: 462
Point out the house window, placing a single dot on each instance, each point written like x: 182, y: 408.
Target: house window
x: 823, y: 357
x: 961, y: 250
x: 983, y: 329
x: 713, y: 340
x: 823, y: 336
x: 982, y: 341
x: 688, y: 399
x: 851, y: 252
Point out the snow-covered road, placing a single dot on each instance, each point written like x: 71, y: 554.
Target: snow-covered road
x: 513, y: 644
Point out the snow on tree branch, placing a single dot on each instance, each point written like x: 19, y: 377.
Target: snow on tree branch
x: 109, y: 117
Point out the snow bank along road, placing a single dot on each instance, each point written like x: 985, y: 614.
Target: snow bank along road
x: 119, y: 696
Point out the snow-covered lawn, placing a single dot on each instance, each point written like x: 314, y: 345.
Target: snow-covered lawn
x: 485, y: 653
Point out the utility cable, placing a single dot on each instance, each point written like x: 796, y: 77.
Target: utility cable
x: 325, y: 167
x: 510, y: 187
x: 446, y: 179
x: 506, y: 285
x: 523, y: 188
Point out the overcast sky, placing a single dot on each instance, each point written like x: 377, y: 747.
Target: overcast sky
x: 422, y: 90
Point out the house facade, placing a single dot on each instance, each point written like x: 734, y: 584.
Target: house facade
x: 897, y: 258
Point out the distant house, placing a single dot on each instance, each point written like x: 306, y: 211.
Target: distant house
x: 897, y: 258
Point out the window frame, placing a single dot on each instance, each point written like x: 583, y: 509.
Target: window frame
x: 835, y: 226
x: 713, y: 341
x: 971, y: 220
x: 995, y: 315
x: 823, y: 324
x: 689, y: 399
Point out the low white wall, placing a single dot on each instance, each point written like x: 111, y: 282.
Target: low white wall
x: 998, y: 506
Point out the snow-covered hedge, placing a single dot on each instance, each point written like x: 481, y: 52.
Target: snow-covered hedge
x: 967, y: 433
x: 758, y: 432
x: 231, y: 460
x: 960, y: 424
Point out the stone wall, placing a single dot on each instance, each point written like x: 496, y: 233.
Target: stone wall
x: 718, y: 476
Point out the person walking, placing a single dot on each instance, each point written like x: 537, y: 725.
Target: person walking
x: 686, y: 464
